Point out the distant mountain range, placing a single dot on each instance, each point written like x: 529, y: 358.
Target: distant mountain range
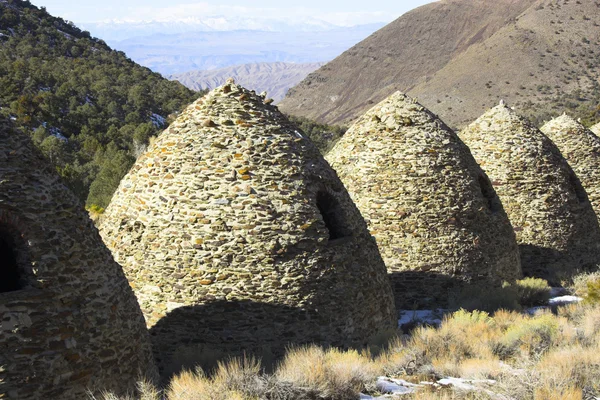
x: 274, y: 78
x: 460, y: 57
x: 205, y: 50
x: 118, y: 30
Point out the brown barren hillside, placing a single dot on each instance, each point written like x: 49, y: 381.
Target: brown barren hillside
x: 459, y: 57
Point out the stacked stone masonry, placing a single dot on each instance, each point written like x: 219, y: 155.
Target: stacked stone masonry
x: 69, y: 320
x: 437, y: 220
x: 556, y: 228
x: 236, y: 235
x: 581, y: 149
x: 596, y: 129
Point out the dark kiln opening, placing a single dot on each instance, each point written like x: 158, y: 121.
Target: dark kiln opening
x: 488, y: 193
x: 333, y: 216
x: 10, y: 277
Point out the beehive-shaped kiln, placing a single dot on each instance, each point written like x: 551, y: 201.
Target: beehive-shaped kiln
x: 556, y: 228
x: 581, y: 148
x: 238, y: 236
x: 69, y: 320
x: 434, y: 213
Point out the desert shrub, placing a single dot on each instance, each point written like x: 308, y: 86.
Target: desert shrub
x: 586, y: 321
x: 401, y: 358
x: 331, y: 374
x: 504, y: 319
x: 533, y: 291
x: 564, y: 393
x: 238, y: 378
x: 466, y: 318
x: 592, y: 295
x: 574, y: 366
x: 95, y: 212
x: 533, y: 336
x: 578, y: 285
x: 452, y: 342
x: 95, y: 209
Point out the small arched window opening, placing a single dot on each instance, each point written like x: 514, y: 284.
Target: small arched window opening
x: 333, y: 216
x: 488, y: 193
x: 10, y: 271
x: 578, y: 188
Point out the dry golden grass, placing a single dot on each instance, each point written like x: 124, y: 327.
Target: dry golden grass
x: 332, y: 373
x: 576, y: 366
x: 451, y: 341
x: 566, y: 393
x: 476, y: 368
x: 237, y: 379
x: 580, y: 283
x: 532, y: 357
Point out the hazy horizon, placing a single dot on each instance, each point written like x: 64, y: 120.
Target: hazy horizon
x: 339, y: 13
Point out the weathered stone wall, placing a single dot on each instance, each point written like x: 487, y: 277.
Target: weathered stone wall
x: 237, y: 236
x: 434, y: 213
x: 581, y: 149
x: 73, y: 322
x: 596, y: 129
x: 556, y: 229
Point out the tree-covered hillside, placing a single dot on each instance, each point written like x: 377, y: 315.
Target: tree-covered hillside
x: 89, y: 108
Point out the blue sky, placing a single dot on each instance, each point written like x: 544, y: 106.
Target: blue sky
x: 339, y: 12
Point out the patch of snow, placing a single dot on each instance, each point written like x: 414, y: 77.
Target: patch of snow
x: 559, y: 297
x: 158, y: 120
x: 391, y: 388
x: 431, y: 317
x: 564, y: 300
x: 13, y: 118
x: 88, y: 100
x: 395, y: 386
